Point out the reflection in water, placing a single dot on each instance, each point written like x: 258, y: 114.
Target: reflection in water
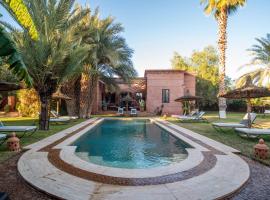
x: 130, y: 144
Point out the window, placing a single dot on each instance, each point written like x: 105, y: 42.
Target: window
x: 165, y: 96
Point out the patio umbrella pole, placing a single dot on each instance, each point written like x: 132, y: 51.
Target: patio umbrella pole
x: 249, y: 111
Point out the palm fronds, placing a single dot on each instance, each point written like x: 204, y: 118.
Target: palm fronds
x: 8, y: 50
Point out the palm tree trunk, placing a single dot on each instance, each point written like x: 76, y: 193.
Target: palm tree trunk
x: 84, y: 95
x: 72, y: 89
x: 92, y: 94
x: 222, y: 45
x: 44, y: 111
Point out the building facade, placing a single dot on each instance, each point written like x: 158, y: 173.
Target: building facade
x: 158, y: 89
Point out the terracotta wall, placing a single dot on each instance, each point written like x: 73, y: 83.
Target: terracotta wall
x: 176, y: 82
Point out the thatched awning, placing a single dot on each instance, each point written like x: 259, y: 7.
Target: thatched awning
x: 6, y: 86
x: 248, y: 92
x: 187, y: 97
x: 59, y: 95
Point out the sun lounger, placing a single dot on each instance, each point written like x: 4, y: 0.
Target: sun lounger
x: 133, y: 112
x: 242, y: 124
x: 194, y: 118
x: 193, y: 113
x: 120, y: 111
x: 252, y: 132
x: 59, y: 120
x: 16, y: 129
x: 55, y: 115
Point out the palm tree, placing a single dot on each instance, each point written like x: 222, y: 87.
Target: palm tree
x: 9, y: 52
x: 108, y: 56
x: 56, y: 52
x: 261, y: 53
x: 221, y: 10
x: 19, y: 12
x: 8, y: 49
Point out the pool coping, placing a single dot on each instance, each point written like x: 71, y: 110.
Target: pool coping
x: 220, y: 152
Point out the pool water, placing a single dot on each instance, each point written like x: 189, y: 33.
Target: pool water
x: 130, y: 144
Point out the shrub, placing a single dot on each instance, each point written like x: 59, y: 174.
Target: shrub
x: 28, y: 103
x: 6, y: 108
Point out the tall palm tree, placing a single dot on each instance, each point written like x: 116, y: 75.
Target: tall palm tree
x: 108, y: 56
x: 261, y: 53
x: 56, y: 52
x: 221, y: 10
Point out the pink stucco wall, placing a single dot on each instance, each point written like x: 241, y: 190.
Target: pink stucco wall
x: 175, y: 80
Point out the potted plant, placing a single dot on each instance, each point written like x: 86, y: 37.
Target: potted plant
x: 142, y: 105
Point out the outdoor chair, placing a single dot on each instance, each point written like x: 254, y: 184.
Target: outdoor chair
x: 252, y: 132
x: 3, y: 138
x: 266, y: 112
x: 133, y: 112
x: 56, y: 115
x: 120, y: 111
x: 242, y: 124
x: 198, y: 117
x: 16, y: 129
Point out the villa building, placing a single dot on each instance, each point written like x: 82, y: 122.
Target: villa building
x: 158, y: 89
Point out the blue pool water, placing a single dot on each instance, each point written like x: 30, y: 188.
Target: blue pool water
x: 130, y: 144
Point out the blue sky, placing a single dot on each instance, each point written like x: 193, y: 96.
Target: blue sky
x: 154, y: 29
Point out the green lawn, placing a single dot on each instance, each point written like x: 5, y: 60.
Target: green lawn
x: 245, y: 145
x: 5, y: 154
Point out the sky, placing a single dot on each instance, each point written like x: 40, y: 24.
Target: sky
x: 155, y: 29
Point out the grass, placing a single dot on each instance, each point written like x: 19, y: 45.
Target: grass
x: 230, y: 138
x: 26, y: 140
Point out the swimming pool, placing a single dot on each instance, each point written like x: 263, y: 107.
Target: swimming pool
x: 132, y: 144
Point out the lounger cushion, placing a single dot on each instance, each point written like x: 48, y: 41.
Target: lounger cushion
x: 59, y: 119
x: 17, y: 128
x: 253, y: 131
x: 230, y: 125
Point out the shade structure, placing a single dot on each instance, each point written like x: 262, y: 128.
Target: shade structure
x: 185, y: 99
x: 6, y: 86
x: 248, y: 91
x: 58, y: 95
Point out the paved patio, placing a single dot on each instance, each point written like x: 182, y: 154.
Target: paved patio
x: 209, y: 179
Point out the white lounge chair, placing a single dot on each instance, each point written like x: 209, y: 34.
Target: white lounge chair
x: 23, y: 129
x: 120, y: 111
x: 133, y: 112
x: 242, y: 124
x: 59, y: 120
x: 56, y: 115
x: 194, y: 118
x: 252, y: 132
x: 193, y: 113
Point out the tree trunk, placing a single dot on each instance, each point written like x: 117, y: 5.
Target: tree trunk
x: 84, y: 95
x: 222, y: 45
x: 44, y: 111
x: 72, y: 89
x: 93, y: 84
